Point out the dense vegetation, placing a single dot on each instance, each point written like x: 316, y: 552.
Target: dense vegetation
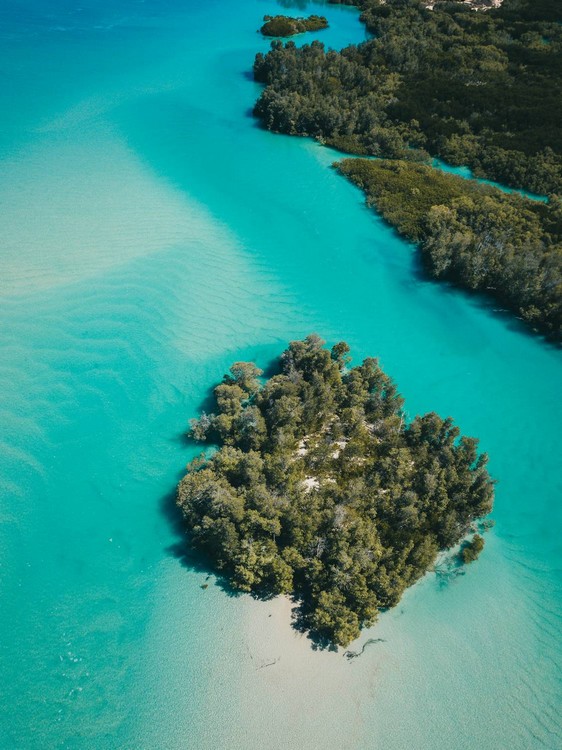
x: 320, y: 488
x: 473, y: 234
x: 482, y: 89
x: 288, y: 26
x: 472, y: 549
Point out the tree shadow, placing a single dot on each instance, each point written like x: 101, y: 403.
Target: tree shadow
x: 195, y: 562
x: 185, y: 440
x: 479, y: 299
x: 190, y: 558
x: 451, y: 568
x: 256, y: 123
x: 208, y: 402
x: 318, y: 642
x: 271, y: 368
x: 182, y: 550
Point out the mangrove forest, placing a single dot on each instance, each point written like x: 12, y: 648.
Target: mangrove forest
x: 318, y: 486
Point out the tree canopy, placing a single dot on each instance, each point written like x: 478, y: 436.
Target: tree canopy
x: 472, y: 549
x: 482, y: 89
x: 319, y: 487
x: 475, y: 88
x: 474, y: 234
x: 289, y: 26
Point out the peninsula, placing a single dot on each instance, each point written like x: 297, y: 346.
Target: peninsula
x: 473, y: 234
x: 476, y: 89
x: 320, y: 488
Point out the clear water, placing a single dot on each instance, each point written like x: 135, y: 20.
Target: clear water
x: 151, y: 234
x: 467, y: 173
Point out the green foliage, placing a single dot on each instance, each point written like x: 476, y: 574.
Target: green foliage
x: 321, y: 489
x: 288, y: 26
x: 474, y: 234
x: 471, y: 550
x: 482, y: 89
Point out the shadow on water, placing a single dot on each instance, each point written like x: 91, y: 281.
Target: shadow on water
x: 207, y: 404
x: 182, y: 551
x: 317, y: 642
x: 273, y: 367
x: 184, y: 439
x: 450, y: 568
x: 493, y: 307
x: 256, y: 122
x: 195, y: 562
x: 476, y: 298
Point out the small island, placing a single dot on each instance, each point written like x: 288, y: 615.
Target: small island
x: 319, y: 487
x: 288, y: 26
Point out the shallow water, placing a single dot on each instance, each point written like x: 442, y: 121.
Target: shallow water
x: 152, y: 234
x: 467, y: 173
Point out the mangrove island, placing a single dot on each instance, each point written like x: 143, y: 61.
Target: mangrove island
x: 319, y: 487
x: 288, y: 26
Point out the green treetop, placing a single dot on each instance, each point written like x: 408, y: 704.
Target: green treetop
x: 288, y: 26
x: 321, y: 489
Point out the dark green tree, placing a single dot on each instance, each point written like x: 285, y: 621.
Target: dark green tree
x: 321, y: 489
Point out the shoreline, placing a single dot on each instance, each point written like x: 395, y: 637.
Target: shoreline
x: 293, y: 679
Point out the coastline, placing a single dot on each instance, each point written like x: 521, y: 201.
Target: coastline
x: 108, y: 639
x: 315, y: 688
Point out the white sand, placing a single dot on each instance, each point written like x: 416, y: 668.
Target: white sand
x: 314, y: 687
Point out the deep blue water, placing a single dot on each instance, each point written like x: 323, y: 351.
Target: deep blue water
x: 151, y: 235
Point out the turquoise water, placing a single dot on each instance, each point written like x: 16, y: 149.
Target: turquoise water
x: 467, y: 173
x: 152, y: 234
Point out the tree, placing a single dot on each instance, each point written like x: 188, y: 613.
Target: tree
x: 319, y: 487
x: 471, y: 550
